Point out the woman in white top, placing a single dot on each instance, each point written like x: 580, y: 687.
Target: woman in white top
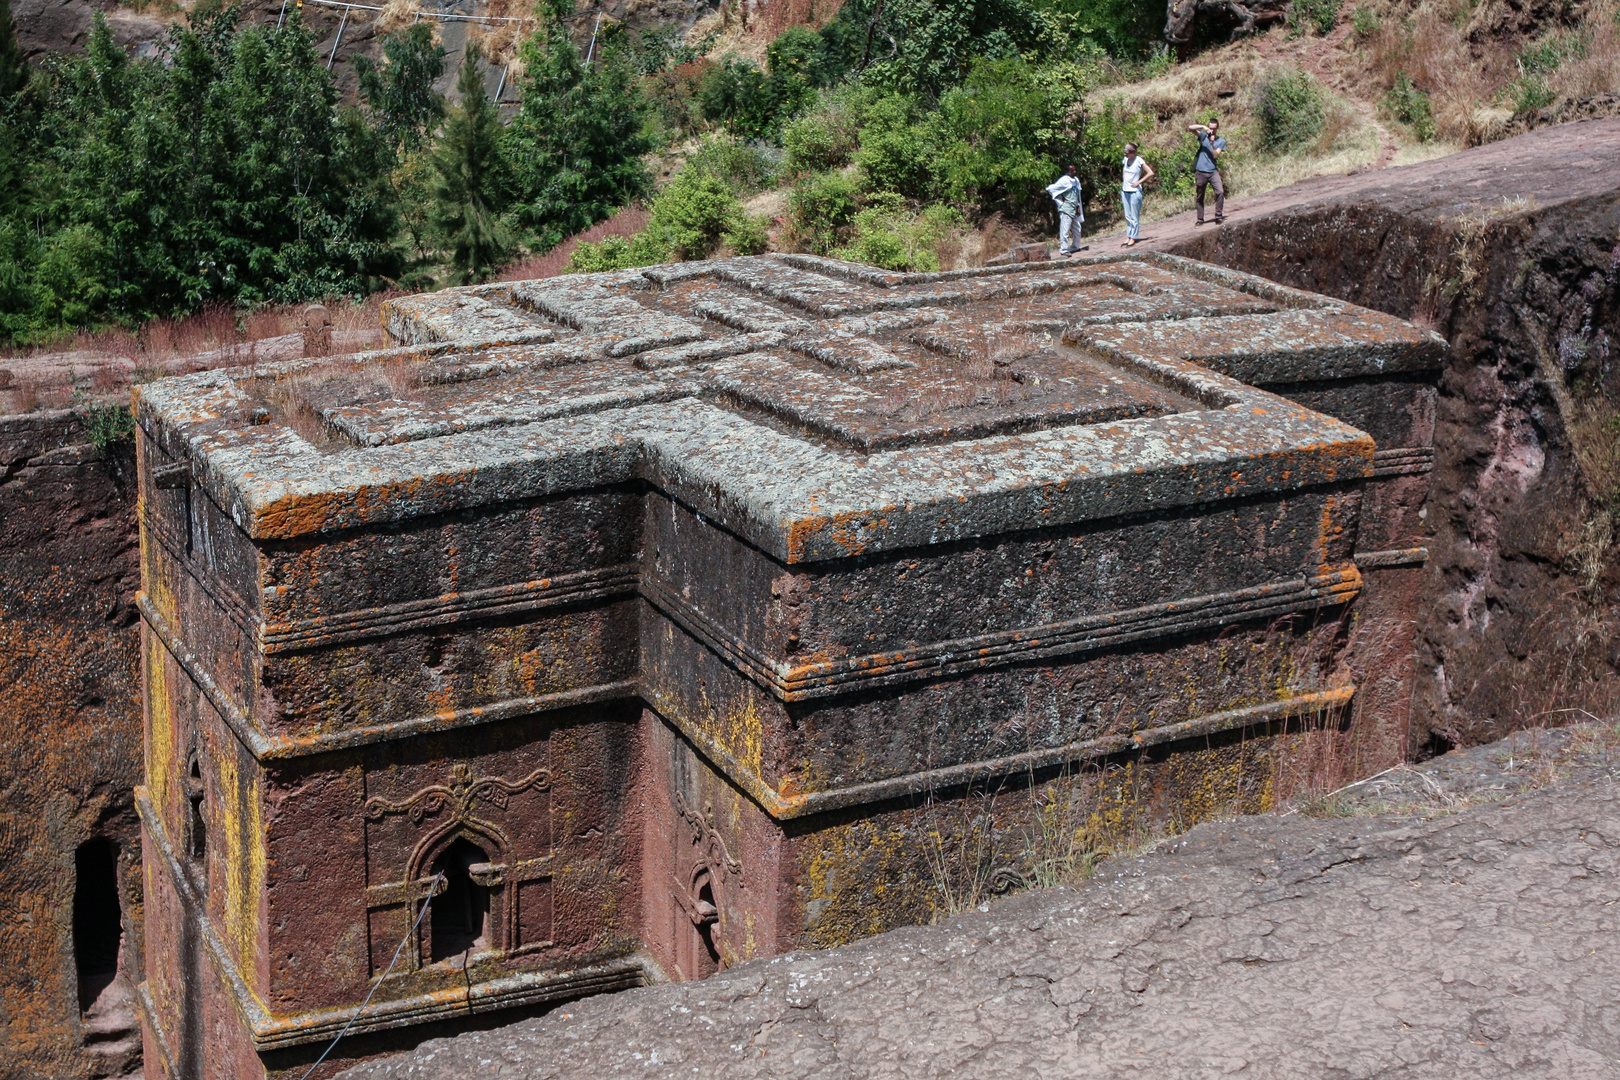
x: 1137, y: 172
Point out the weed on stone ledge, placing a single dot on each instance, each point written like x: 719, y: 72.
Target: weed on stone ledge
x: 106, y: 425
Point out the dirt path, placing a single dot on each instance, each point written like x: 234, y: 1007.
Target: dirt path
x: 1441, y: 940
x: 1545, y: 167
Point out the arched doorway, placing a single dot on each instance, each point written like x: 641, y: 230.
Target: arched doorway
x: 460, y: 920
x: 98, y: 918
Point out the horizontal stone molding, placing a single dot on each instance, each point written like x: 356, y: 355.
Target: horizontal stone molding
x: 270, y: 1032
x: 278, y: 747
x: 1403, y: 461
x: 173, y: 544
x: 784, y: 805
x: 1088, y: 633
x: 521, y: 599
x: 394, y: 893
x: 235, y: 717
x: 1394, y: 557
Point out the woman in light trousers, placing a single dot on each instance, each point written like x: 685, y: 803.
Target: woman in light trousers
x: 1137, y: 172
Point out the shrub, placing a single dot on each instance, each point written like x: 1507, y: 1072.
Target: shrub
x: 1364, y: 22
x: 819, y: 209
x: 886, y: 235
x: 755, y: 104
x: 1320, y: 15
x: 998, y: 136
x: 108, y: 425
x: 1109, y: 125
x: 743, y: 167
x: 817, y: 141
x: 749, y: 234
x: 616, y: 253
x: 1537, y: 61
x: 693, y: 214
x: 898, y: 151
x: 1411, y: 106
x: 673, y: 95
x: 1290, y: 108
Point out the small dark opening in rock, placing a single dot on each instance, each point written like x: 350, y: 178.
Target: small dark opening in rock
x: 1433, y: 745
x: 461, y: 912
x: 197, y: 827
x: 98, y: 919
x: 705, y: 896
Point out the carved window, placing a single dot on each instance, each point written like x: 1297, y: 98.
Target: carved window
x: 708, y: 915
x: 196, y: 823
x: 98, y: 919
x: 460, y: 922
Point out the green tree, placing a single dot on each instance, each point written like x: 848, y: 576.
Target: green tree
x: 13, y: 70
x: 470, y: 182
x: 221, y: 170
x: 400, y: 93
x: 1001, y: 135
x: 1123, y: 28
x: 923, y: 47
x: 576, y: 144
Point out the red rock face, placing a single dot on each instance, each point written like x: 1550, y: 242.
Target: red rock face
x: 1510, y: 250
x: 70, y: 737
x: 623, y: 626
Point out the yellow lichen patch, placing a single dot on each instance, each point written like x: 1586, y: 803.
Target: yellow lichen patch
x: 861, y: 879
x: 739, y: 730
x: 161, y: 752
x: 241, y: 828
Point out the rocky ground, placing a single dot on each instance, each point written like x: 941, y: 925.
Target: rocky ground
x: 1553, y: 166
x: 1454, y: 919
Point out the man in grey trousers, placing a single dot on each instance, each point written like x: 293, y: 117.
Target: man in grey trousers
x: 1065, y: 191
x: 1207, y: 170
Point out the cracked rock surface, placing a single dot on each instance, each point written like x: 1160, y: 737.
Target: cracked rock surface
x: 1479, y: 943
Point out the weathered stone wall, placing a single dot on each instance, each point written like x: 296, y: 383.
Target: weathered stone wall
x: 710, y: 611
x: 70, y: 735
x: 1512, y: 252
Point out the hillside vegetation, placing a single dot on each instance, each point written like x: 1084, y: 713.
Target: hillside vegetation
x: 224, y: 170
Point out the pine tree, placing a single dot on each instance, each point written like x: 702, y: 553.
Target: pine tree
x: 13, y: 71
x: 577, y: 143
x: 470, y: 183
x: 400, y: 94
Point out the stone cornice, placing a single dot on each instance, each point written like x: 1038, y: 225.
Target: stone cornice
x: 802, y: 499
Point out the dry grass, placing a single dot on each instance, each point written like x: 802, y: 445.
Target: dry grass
x: 774, y: 16
x: 498, y: 42
x: 995, y: 237
x: 293, y: 397
x: 625, y: 222
x: 21, y: 396
x: 1222, y: 81
x: 1430, y: 44
x: 1597, y: 69
x: 1467, y: 58
x: 1014, y: 836
x: 212, y: 329
x: 403, y: 377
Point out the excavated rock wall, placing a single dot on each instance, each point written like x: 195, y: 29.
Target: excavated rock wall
x: 70, y: 740
x: 1512, y: 252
